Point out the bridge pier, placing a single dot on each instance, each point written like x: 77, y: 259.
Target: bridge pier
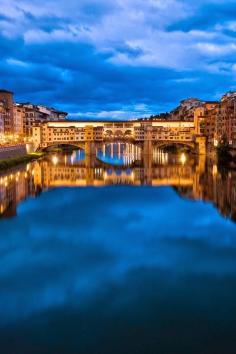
x: 197, y: 177
x: 90, y: 148
x: 201, y: 145
x: 148, y: 155
x: 147, y: 145
x: 90, y: 156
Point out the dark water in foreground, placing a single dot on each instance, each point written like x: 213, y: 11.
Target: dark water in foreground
x: 148, y: 266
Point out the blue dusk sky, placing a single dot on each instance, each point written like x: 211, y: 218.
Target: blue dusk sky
x: 117, y: 58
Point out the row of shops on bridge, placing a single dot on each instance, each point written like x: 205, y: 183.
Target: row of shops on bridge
x: 69, y: 132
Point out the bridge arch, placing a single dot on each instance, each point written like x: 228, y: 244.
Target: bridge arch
x: 163, y: 144
x: 109, y: 133
x: 62, y: 144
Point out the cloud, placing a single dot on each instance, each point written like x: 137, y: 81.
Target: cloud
x: 102, y: 56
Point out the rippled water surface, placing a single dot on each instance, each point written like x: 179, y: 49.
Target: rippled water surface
x: 118, y: 254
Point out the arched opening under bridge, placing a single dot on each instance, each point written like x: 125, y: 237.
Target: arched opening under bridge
x: 175, y: 146
x: 59, y: 147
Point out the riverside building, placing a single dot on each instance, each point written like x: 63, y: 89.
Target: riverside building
x: 7, y: 112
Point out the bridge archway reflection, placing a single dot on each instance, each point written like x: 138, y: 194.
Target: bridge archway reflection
x: 119, y: 153
x: 72, y: 158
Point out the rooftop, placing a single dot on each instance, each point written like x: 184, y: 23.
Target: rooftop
x: 5, y: 91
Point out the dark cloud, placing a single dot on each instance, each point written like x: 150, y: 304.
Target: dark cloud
x: 206, y: 16
x: 95, y: 57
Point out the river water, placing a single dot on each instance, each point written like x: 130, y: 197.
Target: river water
x: 118, y: 254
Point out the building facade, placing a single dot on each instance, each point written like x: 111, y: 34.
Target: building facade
x: 205, y: 121
x: 2, y: 114
x: 185, y: 111
x: 192, y: 119
x: 6, y: 100
x: 19, y: 119
x: 226, y: 120
x: 35, y: 115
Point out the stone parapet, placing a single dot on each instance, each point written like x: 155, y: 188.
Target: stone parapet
x: 12, y: 151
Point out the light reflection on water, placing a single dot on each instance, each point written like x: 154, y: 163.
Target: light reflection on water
x: 119, y: 153
x: 118, y: 270
x: 121, y: 164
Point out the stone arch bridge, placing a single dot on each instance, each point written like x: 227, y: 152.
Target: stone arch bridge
x: 87, y: 135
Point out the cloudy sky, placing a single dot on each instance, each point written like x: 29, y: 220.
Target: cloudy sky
x: 117, y: 58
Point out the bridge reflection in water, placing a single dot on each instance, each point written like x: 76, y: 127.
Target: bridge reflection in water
x: 116, y: 164
x: 118, y: 153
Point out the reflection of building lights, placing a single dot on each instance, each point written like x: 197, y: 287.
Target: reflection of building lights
x: 183, y: 158
x: 216, y: 143
x: 28, y: 148
x: 215, y: 170
x: 73, y: 157
x: 55, y: 160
